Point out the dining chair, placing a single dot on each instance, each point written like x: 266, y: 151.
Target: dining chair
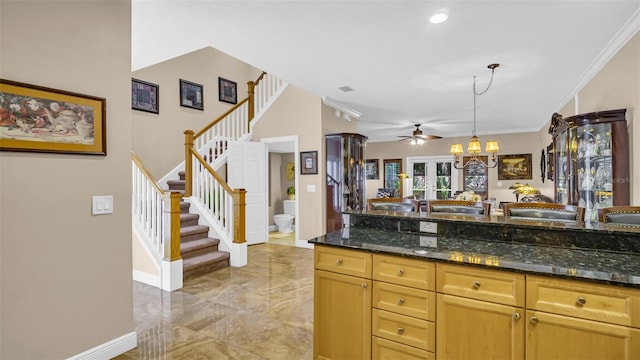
x: 458, y: 207
x: 620, y: 215
x: 544, y: 212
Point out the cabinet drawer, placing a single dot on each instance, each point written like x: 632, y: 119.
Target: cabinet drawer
x: 404, y: 329
x: 390, y: 350
x: 405, y: 300
x: 403, y: 271
x: 599, y: 302
x: 343, y: 261
x: 489, y: 285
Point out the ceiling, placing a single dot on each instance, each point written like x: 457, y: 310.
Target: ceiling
x: 404, y: 70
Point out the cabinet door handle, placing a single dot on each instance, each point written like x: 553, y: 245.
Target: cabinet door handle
x: 516, y: 316
x: 400, y: 271
x: 401, y: 301
x: 581, y: 301
x: 364, y: 285
x: 400, y: 331
x: 339, y: 261
x: 476, y: 284
x: 534, y: 320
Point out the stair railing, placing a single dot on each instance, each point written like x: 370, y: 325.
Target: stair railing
x: 156, y: 214
x: 201, y: 148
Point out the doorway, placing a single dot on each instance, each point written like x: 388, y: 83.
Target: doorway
x: 282, y: 179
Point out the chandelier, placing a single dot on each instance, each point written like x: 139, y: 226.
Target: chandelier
x: 474, y: 147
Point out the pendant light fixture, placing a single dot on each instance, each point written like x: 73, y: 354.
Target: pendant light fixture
x: 474, y: 147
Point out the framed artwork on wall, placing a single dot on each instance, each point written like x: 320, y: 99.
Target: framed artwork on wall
x: 39, y: 119
x: 144, y: 96
x: 227, y: 91
x: 371, y: 169
x: 514, y: 167
x: 308, y: 162
x: 191, y: 95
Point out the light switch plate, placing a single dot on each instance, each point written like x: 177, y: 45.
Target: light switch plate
x: 101, y: 205
x: 311, y: 188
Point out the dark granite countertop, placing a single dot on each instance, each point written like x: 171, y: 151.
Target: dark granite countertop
x: 613, y: 267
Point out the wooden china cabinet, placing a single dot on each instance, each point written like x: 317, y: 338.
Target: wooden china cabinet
x: 591, y: 156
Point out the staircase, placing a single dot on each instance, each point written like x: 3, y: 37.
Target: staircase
x: 199, y: 252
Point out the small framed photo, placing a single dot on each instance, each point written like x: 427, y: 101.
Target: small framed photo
x: 144, y: 96
x: 191, y: 95
x: 308, y: 162
x: 227, y: 91
x: 371, y: 169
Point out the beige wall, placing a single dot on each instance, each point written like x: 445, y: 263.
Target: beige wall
x: 297, y: 113
x: 518, y: 143
x: 159, y: 138
x: 616, y: 86
x: 65, y: 274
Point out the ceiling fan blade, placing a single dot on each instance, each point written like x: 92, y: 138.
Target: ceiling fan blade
x: 429, y: 137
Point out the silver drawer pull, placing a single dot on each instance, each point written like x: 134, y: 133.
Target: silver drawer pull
x: 534, y: 320
x: 339, y: 261
x: 516, y: 316
x: 476, y: 284
x: 581, y: 301
x: 401, y: 301
x: 400, y: 271
x: 400, y: 331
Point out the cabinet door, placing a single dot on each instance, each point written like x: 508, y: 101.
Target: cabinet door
x: 562, y: 168
x: 552, y: 336
x: 341, y: 316
x: 472, y: 329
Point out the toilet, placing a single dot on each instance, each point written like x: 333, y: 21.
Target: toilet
x: 285, y: 221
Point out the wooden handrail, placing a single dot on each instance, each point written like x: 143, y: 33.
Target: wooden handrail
x: 213, y: 173
x: 146, y: 173
x: 260, y: 78
x: 218, y: 119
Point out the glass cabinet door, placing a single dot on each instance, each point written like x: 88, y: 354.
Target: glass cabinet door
x: 562, y: 168
x: 592, y: 146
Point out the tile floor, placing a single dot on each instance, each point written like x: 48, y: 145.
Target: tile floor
x: 260, y: 311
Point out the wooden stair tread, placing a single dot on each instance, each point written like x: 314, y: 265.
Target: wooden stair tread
x: 194, y: 229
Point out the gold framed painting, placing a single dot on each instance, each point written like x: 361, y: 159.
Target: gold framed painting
x: 40, y: 119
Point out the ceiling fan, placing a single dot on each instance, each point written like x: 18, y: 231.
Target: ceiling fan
x: 417, y: 138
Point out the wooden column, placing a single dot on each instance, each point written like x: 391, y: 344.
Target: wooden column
x: 172, y: 238
x: 239, y: 221
x: 251, y: 103
x: 188, y: 165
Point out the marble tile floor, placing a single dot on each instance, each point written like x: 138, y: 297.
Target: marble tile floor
x: 276, y: 237
x: 263, y: 310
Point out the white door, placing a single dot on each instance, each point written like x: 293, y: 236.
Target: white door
x: 245, y: 169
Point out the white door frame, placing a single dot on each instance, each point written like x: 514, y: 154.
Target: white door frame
x: 294, y: 140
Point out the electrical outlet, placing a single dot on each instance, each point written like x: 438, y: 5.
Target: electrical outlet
x: 429, y: 227
x: 428, y: 241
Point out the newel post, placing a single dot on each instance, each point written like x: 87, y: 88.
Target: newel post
x: 172, y: 213
x: 188, y: 164
x: 251, y: 90
x: 239, y: 203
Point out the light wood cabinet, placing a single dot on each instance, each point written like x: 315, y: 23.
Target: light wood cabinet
x: 391, y: 350
x: 342, y: 304
x: 576, y: 320
x: 477, y: 315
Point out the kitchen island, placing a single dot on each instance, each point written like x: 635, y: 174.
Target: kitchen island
x: 483, y: 287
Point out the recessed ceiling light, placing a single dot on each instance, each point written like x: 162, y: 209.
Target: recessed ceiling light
x: 439, y: 18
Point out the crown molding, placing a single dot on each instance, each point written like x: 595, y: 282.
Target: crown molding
x: 341, y: 107
x: 619, y: 40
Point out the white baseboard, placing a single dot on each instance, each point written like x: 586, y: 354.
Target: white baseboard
x: 146, y: 278
x: 110, y: 349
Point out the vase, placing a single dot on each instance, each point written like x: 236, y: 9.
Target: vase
x: 292, y: 196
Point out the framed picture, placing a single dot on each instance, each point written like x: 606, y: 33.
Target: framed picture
x: 550, y: 162
x: 371, y: 169
x: 191, y: 95
x: 476, y: 177
x: 308, y: 162
x: 39, y: 119
x: 227, y: 91
x: 144, y: 96
x: 514, y: 167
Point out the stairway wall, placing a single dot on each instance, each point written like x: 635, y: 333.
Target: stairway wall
x: 158, y: 139
x: 65, y: 275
